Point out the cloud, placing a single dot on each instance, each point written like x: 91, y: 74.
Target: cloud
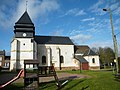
x: 80, y: 12
x: 96, y: 5
x: 103, y: 44
x: 114, y: 6
x: 71, y: 11
x: 74, y: 32
x: 99, y: 25
x: 16, y: 8
x: 81, y: 38
x: 97, y: 8
x: 88, y: 19
x: 6, y: 12
x: 74, y: 12
x: 58, y: 32
x: 38, y: 8
x: 117, y: 11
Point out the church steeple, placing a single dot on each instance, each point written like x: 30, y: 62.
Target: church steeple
x: 24, y: 25
x: 24, y: 19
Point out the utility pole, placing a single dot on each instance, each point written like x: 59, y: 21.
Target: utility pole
x: 114, y: 40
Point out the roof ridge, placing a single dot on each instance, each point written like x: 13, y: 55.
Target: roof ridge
x: 88, y: 52
x: 49, y: 36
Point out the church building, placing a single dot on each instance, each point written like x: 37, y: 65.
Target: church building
x: 48, y: 50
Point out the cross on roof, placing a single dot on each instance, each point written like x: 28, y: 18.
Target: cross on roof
x: 26, y: 4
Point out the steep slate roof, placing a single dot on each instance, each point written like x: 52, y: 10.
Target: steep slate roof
x: 81, y: 49
x: 81, y: 59
x: 24, y: 24
x: 85, y: 50
x: 89, y: 52
x: 53, y: 40
x: 24, y: 19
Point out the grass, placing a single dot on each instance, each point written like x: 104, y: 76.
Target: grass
x: 99, y: 80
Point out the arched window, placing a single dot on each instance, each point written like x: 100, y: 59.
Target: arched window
x: 93, y: 60
x: 61, y: 59
x: 43, y: 60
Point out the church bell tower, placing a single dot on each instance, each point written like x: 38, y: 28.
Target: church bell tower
x: 23, y: 44
x: 24, y: 28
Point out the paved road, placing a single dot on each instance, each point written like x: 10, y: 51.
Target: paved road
x: 6, y: 77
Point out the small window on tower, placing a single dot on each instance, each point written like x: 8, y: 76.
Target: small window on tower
x: 24, y: 44
x: 32, y: 40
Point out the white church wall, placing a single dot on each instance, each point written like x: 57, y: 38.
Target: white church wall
x: 26, y: 48
x: 13, y: 54
x: 21, y: 49
x: 41, y: 51
x: 13, y: 49
x: 67, y: 51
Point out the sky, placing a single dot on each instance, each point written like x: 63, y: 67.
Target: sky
x: 83, y: 21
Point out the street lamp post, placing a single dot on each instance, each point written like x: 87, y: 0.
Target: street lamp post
x: 114, y: 40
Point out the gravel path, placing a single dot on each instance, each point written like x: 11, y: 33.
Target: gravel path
x: 61, y: 76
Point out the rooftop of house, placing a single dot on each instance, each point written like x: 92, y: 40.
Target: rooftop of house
x: 2, y: 52
x: 81, y: 49
x: 84, y: 50
x: 53, y: 40
x: 81, y: 59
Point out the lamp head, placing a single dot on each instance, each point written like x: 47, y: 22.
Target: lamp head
x: 105, y: 10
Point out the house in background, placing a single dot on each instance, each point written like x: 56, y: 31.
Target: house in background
x: 84, y: 53
x: 7, y: 62
x: 48, y: 50
x: 82, y: 63
x: 2, y: 58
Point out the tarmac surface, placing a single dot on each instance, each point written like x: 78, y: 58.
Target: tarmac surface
x: 62, y: 76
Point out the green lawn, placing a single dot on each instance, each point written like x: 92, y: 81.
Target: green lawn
x: 99, y: 80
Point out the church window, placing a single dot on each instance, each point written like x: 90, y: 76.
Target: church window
x: 93, y: 60
x: 32, y: 40
x: 24, y: 44
x: 43, y: 60
x: 61, y: 59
